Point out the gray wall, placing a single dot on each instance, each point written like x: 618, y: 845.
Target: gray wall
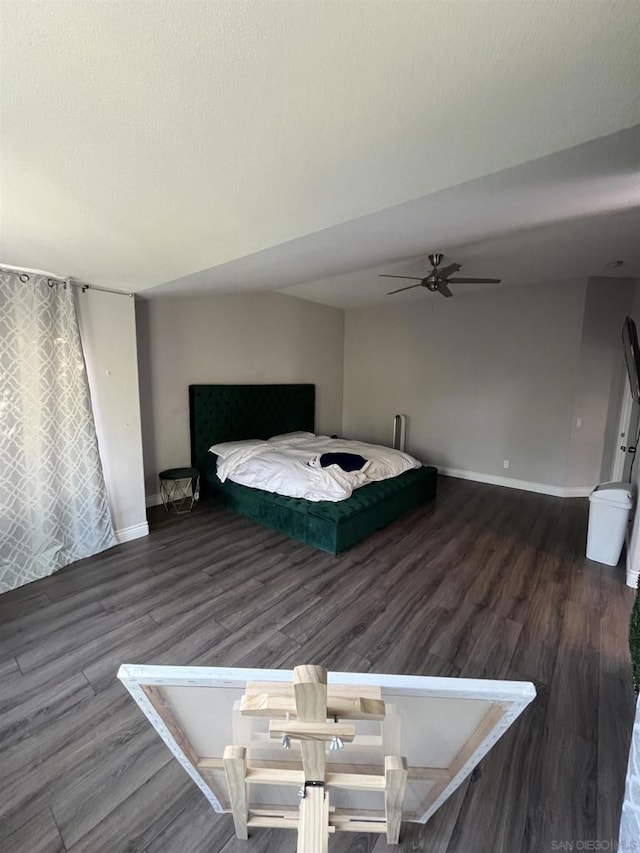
x: 497, y: 375
x: 598, y: 394
x: 502, y: 374
x: 251, y: 337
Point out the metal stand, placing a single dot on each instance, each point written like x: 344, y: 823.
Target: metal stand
x: 180, y: 489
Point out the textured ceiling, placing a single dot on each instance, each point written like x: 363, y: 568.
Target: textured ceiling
x: 145, y: 141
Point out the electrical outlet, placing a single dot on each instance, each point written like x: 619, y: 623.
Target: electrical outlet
x: 578, y: 422
x: 505, y: 464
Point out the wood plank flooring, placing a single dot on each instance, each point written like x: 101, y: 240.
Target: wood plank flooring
x: 485, y: 582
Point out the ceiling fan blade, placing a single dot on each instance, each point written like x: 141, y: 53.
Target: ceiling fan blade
x: 410, y: 277
x: 474, y: 281
x: 445, y: 272
x: 400, y: 289
x: 444, y: 290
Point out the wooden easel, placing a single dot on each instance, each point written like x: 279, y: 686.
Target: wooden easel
x: 312, y: 706
x: 225, y: 726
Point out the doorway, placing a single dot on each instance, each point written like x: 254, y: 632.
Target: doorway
x: 625, y: 436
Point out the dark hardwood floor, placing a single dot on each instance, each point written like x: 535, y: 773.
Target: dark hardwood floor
x: 485, y: 582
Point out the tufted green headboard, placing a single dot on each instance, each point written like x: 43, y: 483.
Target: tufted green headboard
x: 234, y: 412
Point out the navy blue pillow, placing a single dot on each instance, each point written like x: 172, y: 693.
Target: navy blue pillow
x: 346, y: 461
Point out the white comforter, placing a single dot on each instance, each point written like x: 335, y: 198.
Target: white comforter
x: 283, y: 467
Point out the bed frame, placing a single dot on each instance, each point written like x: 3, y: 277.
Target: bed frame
x: 234, y: 412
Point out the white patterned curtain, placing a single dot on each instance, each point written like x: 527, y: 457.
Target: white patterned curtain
x: 53, y: 503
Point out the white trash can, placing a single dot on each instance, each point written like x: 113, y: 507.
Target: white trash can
x: 609, y: 508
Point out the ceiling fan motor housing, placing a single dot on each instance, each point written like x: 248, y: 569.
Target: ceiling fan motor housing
x: 431, y: 282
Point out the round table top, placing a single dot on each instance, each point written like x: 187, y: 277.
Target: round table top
x: 179, y: 474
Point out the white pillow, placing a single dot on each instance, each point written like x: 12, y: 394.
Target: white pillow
x: 226, y: 448
x: 294, y: 437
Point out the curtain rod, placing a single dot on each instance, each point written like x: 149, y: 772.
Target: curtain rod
x: 25, y: 271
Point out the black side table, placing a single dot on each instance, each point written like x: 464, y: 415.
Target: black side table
x: 180, y: 489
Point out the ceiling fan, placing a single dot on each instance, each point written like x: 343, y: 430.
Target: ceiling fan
x: 438, y: 280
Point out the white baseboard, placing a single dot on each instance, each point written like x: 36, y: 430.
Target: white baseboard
x: 153, y: 500
x: 577, y: 491
x: 524, y: 485
x: 136, y: 531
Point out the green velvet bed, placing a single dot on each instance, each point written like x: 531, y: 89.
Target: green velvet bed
x: 233, y: 412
